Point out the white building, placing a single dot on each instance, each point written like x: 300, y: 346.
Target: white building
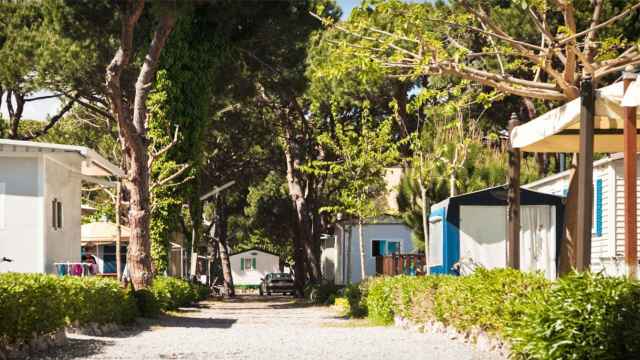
x: 607, y: 248
x: 40, y: 187
x: 248, y: 267
x: 341, y: 253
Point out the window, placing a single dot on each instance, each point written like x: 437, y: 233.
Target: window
x: 56, y: 214
x: 435, y: 241
x: 109, y: 258
x: 384, y: 247
x: 247, y: 264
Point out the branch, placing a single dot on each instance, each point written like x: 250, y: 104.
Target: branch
x: 159, y: 183
x: 156, y: 154
x: 43, y: 97
x: 52, y: 121
x: 601, y: 25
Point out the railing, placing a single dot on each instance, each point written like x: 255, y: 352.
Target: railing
x: 407, y: 264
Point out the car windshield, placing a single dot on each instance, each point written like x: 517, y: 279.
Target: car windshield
x: 280, y: 276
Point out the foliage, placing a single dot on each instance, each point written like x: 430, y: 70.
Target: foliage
x: 148, y: 304
x: 362, y: 155
x: 324, y: 293
x: 39, y: 304
x: 355, y: 296
x: 582, y: 316
x: 172, y: 293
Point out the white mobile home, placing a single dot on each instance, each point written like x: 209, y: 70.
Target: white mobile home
x: 341, y: 253
x: 607, y: 248
x: 248, y: 267
x: 40, y: 187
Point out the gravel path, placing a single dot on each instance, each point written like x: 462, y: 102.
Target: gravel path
x: 264, y: 328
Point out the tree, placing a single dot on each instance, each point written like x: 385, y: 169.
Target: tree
x: 132, y: 122
x: 362, y: 155
x: 543, y: 57
x: 54, y: 46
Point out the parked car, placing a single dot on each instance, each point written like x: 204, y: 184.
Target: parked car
x: 277, y: 283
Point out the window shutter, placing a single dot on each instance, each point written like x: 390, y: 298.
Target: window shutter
x: 241, y: 264
x: 54, y: 217
x: 253, y: 263
x: 59, y: 214
x: 598, y: 206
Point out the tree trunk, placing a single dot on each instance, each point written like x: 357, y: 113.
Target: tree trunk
x: 363, y: 271
x: 132, y: 133
x: 304, y: 248
x: 225, y: 263
x: 425, y: 228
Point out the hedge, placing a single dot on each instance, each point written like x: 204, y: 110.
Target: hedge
x: 36, y: 304
x: 581, y: 316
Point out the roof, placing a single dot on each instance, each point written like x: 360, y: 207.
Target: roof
x: 498, y: 196
x: 598, y: 163
x: 94, y: 164
x: 103, y: 232
x: 254, y: 249
x: 558, y: 130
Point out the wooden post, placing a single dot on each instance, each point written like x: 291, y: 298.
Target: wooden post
x: 513, y: 201
x: 118, y: 233
x: 585, y: 175
x: 630, y: 175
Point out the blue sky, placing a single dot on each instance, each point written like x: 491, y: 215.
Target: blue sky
x: 347, y: 5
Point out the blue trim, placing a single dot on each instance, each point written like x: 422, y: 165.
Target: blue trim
x: 598, y: 206
x: 450, y: 243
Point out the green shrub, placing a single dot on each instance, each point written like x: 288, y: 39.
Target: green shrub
x: 356, y: 295
x: 582, y: 316
x: 30, y: 303
x: 324, y: 294
x: 148, y: 304
x: 38, y: 304
x: 201, y: 291
x: 172, y: 293
x: 97, y: 300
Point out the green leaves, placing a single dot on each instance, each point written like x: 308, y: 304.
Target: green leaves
x: 360, y: 155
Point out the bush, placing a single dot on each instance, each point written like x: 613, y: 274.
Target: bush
x: 356, y: 296
x: 201, y: 291
x: 148, y: 304
x: 173, y: 293
x: 30, y: 304
x: 324, y: 294
x: 39, y: 304
x: 97, y: 300
x: 582, y: 316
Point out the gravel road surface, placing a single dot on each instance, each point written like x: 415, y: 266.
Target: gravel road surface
x: 263, y: 328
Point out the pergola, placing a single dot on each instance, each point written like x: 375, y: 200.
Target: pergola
x: 603, y: 121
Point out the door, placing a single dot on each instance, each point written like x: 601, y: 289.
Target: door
x: 538, y: 239
x: 483, y: 231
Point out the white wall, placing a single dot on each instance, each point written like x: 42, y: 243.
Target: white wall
x: 483, y: 231
x: 22, y: 203
x: 389, y: 232
x: 265, y: 263
x: 605, y: 247
x: 60, y: 183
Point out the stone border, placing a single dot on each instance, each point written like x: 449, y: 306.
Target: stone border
x: 476, y: 336
x: 45, y: 342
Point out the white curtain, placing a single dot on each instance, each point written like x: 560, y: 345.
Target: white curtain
x: 538, y: 239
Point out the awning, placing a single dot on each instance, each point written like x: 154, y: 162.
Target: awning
x: 559, y: 130
x: 102, y: 232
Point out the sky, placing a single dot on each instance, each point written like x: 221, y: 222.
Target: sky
x: 42, y: 109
